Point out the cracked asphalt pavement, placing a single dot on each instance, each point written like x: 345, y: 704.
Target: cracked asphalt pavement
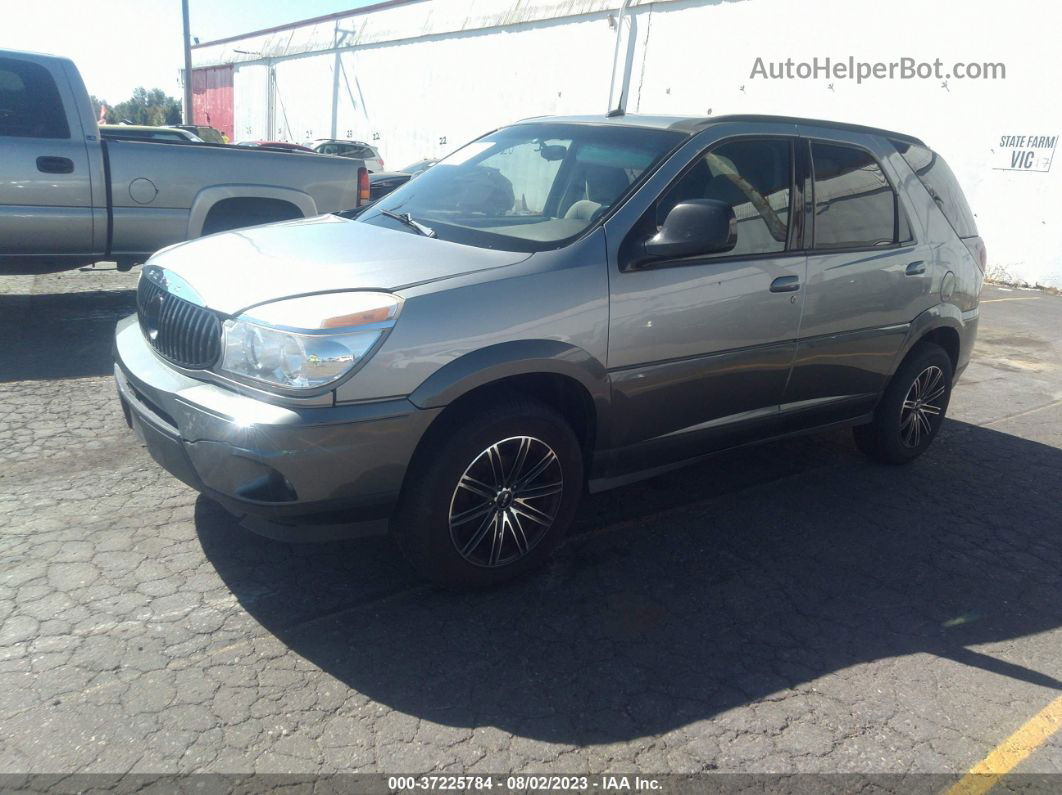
x: 791, y: 607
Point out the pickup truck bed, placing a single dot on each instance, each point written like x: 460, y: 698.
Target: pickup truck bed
x: 68, y: 195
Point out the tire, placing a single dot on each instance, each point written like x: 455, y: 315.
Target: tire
x: 455, y: 493
x: 912, y: 409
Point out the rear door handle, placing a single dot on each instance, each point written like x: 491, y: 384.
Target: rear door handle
x: 55, y: 165
x: 785, y: 284
x: 916, y: 268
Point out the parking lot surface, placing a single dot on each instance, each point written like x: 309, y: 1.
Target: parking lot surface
x: 790, y: 607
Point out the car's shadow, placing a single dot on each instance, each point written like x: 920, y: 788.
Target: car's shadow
x: 712, y: 587
x: 60, y: 335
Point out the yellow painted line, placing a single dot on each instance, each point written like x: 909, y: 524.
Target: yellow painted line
x: 1011, y: 752
x: 1024, y: 298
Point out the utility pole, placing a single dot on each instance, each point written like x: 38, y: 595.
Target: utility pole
x: 189, y: 115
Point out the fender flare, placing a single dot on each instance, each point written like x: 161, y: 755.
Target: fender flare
x: 942, y: 315
x: 208, y: 197
x: 519, y: 357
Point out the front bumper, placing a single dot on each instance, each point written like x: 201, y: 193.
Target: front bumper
x: 297, y: 473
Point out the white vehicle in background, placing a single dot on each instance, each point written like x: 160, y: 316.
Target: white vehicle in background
x: 358, y: 150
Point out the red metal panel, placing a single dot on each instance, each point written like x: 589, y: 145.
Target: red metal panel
x: 212, y: 97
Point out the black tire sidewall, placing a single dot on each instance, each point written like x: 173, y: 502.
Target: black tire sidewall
x: 422, y: 525
x: 887, y: 443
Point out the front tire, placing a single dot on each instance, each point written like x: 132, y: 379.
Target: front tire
x: 491, y: 495
x: 912, y: 409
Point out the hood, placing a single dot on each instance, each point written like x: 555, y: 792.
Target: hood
x: 231, y: 271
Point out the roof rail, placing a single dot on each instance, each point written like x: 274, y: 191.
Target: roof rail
x: 692, y: 125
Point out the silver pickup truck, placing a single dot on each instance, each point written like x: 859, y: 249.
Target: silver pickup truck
x: 67, y: 195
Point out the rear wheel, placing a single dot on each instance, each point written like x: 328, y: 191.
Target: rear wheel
x: 491, y: 495
x: 912, y: 409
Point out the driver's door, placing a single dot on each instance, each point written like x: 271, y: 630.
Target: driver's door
x: 700, y: 348
x: 46, y: 201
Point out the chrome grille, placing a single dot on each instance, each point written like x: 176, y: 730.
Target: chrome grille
x: 182, y: 332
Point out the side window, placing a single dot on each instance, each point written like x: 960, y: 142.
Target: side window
x: 754, y: 178
x: 855, y: 207
x: 30, y: 106
x: 941, y: 184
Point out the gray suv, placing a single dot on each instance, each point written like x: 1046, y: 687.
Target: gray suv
x: 563, y: 304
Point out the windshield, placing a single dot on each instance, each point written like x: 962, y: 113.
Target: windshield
x: 529, y: 187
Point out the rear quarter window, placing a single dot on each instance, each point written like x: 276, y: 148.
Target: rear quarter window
x: 939, y: 180
x: 855, y: 206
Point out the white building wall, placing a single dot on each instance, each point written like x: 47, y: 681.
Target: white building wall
x: 424, y: 99
x: 250, y: 89
x: 302, y: 104
x: 700, y: 56
x: 444, y: 70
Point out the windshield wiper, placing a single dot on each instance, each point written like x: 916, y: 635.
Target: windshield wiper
x: 407, y: 219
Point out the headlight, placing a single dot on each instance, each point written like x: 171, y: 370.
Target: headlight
x: 303, y: 343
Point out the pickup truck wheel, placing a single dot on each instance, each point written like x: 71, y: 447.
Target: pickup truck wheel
x: 912, y: 409
x: 492, y: 496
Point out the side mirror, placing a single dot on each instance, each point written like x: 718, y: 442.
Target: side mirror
x: 694, y: 226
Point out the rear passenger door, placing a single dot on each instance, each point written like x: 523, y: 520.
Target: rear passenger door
x: 45, y: 184
x: 866, y: 279
x: 700, y: 347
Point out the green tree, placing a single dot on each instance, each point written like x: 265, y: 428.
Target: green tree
x: 146, y: 107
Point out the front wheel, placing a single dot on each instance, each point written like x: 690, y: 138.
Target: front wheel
x: 491, y: 495
x: 912, y: 409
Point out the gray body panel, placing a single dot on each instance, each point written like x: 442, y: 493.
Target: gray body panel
x: 859, y: 303
x: 191, y: 178
x: 676, y: 361
x: 696, y: 348
x: 53, y: 214
x: 127, y: 199
x: 238, y: 449
x: 314, y: 255
x: 550, y: 296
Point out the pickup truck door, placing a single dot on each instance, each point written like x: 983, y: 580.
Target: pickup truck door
x: 46, y: 206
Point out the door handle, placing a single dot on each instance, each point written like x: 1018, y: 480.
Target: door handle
x: 785, y: 284
x: 55, y: 165
x: 916, y: 268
